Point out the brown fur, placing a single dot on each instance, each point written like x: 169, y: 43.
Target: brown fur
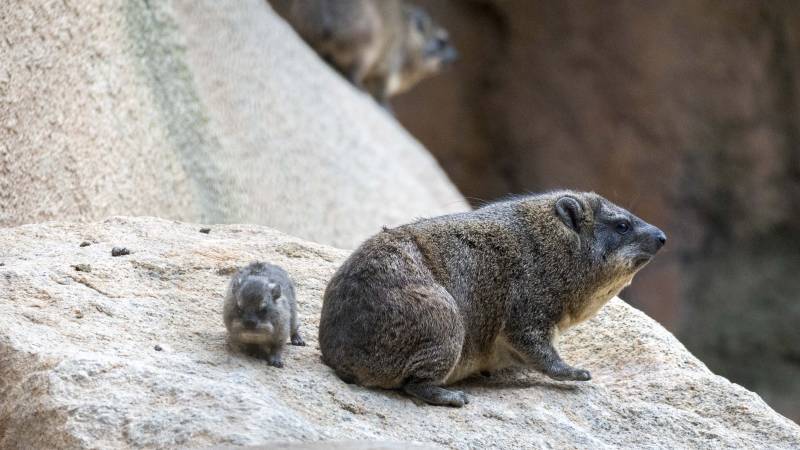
x: 382, y: 46
x: 432, y: 302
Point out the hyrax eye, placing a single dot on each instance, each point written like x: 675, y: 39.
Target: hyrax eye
x: 623, y: 227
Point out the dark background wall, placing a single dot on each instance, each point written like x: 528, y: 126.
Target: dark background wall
x: 684, y: 111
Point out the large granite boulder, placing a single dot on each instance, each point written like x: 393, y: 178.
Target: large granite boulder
x: 196, y: 110
x: 130, y: 351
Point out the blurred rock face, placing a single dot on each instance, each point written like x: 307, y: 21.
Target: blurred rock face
x: 684, y: 111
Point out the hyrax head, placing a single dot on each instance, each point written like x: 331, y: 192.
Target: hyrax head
x: 257, y: 310
x: 616, y: 240
x: 428, y: 48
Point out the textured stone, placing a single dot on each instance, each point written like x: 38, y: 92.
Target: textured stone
x: 79, y: 367
x: 196, y: 110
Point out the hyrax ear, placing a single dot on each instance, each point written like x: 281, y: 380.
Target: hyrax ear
x: 570, y: 212
x: 275, y: 290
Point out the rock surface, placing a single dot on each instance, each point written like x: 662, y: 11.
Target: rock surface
x: 196, y: 110
x: 133, y: 353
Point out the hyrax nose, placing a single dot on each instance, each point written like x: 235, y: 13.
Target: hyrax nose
x: 249, y: 323
x: 660, y: 238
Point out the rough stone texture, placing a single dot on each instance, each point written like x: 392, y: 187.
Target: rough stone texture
x: 332, y: 445
x: 312, y: 156
x: 86, y: 129
x: 684, y: 110
x: 196, y: 110
x: 79, y: 365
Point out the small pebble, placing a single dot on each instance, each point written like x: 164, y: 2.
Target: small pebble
x: 78, y: 314
x: 157, y: 348
x: 120, y: 251
x: 205, y: 230
x: 83, y: 268
x: 85, y: 244
x: 226, y: 270
x: 2, y: 264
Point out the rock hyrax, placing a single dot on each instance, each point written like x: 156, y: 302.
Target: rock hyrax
x: 260, y: 311
x: 427, y: 304
x: 382, y: 46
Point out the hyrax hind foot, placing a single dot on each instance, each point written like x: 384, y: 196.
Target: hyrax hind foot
x: 436, y: 395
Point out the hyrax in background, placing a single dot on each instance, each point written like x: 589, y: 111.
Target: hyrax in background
x: 381, y: 46
x: 429, y: 303
x: 260, y: 311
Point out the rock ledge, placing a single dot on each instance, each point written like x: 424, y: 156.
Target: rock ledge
x: 132, y: 352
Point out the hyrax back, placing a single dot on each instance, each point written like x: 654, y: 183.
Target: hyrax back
x: 382, y: 46
x: 429, y: 303
x: 260, y: 311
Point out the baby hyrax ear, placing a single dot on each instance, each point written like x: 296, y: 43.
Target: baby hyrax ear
x: 570, y: 212
x: 275, y: 290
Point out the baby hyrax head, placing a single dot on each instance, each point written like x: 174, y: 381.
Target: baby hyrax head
x: 256, y: 313
x: 618, y: 242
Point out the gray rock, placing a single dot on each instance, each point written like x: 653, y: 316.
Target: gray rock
x: 98, y: 382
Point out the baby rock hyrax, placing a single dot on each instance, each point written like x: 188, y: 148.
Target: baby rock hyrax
x: 429, y: 303
x: 260, y: 311
x: 381, y: 46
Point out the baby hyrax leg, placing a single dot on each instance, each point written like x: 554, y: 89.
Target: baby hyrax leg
x: 269, y: 354
x: 273, y: 356
x: 296, y: 339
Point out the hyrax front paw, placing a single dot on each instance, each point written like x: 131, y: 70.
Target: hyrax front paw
x: 275, y: 361
x: 297, y: 339
x: 570, y: 374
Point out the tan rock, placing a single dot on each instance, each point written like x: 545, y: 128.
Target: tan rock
x: 133, y: 354
x: 196, y: 110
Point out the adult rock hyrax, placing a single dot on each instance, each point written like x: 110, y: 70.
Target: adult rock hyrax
x: 381, y: 46
x: 260, y: 311
x: 427, y: 304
